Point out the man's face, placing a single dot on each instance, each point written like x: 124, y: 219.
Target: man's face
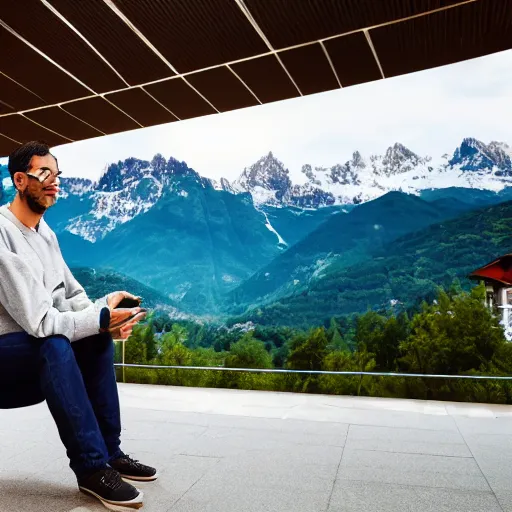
x: 38, y: 195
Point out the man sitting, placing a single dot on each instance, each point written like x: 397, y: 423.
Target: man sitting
x: 55, y: 343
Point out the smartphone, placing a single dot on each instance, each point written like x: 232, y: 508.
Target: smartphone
x: 128, y: 303
x: 131, y: 317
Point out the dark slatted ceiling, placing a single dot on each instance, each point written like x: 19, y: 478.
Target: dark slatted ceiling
x: 328, y: 38
x: 194, y: 34
x: 60, y: 121
x: 223, y: 89
x: 33, y: 71
x: 266, y: 78
x: 24, y: 130
x: 54, y: 38
x: 5, y: 108
x: 288, y: 22
x: 100, y: 114
x: 141, y: 106
x: 353, y: 59
x: 180, y: 98
x: 7, y: 145
x: 122, y: 48
x: 16, y: 96
x: 310, y: 69
x: 444, y: 37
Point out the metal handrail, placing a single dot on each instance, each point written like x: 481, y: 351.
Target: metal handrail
x: 316, y: 372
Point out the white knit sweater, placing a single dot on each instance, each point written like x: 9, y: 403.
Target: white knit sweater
x: 38, y: 292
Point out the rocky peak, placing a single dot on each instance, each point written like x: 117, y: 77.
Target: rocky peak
x: 117, y: 174
x: 268, y: 174
x: 307, y: 170
x: 398, y: 159
x: 474, y: 155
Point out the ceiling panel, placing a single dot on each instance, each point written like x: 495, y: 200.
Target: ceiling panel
x: 180, y: 98
x: 5, y: 108
x: 194, y: 34
x: 16, y: 96
x: 23, y: 130
x: 141, y: 107
x: 353, y: 59
x: 53, y: 37
x: 288, y: 22
x: 310, y: 69
x: 445, y: 37
x: 223, y: 89
x: 33, y: 71
x: 60, y: 121
x: 266, y: 78
x: 133, y: 59
x: 7, y: 146
x: 101, y: 114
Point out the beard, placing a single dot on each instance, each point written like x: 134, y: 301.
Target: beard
x: 34, y: 204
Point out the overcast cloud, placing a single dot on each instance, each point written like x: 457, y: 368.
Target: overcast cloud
x: 430, y: 112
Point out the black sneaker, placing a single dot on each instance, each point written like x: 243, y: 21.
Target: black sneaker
x: 108, y: 486
x: 133, y: 469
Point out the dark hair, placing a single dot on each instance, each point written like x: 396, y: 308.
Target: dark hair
x: 19, y: 159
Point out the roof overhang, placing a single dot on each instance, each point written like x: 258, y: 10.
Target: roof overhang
x: 75, y: 70
x: 498, y: 271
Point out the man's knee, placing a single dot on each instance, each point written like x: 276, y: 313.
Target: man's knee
x: 56, y: 348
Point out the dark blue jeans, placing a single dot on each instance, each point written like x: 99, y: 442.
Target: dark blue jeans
x: 78, y: 382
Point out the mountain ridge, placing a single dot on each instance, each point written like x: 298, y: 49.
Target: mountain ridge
x: 343, y: 239
x: 398, y: 275
x: 360, y: 179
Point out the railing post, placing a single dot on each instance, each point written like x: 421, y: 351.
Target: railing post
x: 122, y: 341
x: 124, y: 367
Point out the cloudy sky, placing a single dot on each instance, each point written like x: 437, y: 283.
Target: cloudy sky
x: 430, y: 112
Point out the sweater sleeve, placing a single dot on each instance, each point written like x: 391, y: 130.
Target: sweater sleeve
x: 28, y: 302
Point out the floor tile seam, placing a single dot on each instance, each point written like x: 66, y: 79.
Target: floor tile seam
x: 420, y: 487
x: 419, y: 471
x: 273, y: 431
x: 291, y: 444
x: 190, y: 488
x: 410, y: 453
x: 337, y: 471
x: 483, y: 474
x: 489, y: 434
x: 200, y: 456
x: 371, y: 425
x: 417, y: 453
x: 347, y: 477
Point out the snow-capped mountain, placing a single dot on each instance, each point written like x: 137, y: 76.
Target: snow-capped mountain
x: 473, y: 155
x: 473, y: 165
x: 133, y: 187
x: 127, y: 189
x: 267, y: 180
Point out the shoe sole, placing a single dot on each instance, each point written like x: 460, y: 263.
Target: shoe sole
x: 118, y: 506
x: 139, y: 478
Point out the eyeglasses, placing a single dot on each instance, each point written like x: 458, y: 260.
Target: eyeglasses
x: 43, y: 174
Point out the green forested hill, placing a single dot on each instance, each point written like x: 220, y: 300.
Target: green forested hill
x: 343, y: 240
x: 405, y: 270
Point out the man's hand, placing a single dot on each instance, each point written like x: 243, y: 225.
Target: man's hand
x: 124, y: 330
x: 121, y: 321
x: 114, y: 298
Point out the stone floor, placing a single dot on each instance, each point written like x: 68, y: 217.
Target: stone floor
x: 249, y: 451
